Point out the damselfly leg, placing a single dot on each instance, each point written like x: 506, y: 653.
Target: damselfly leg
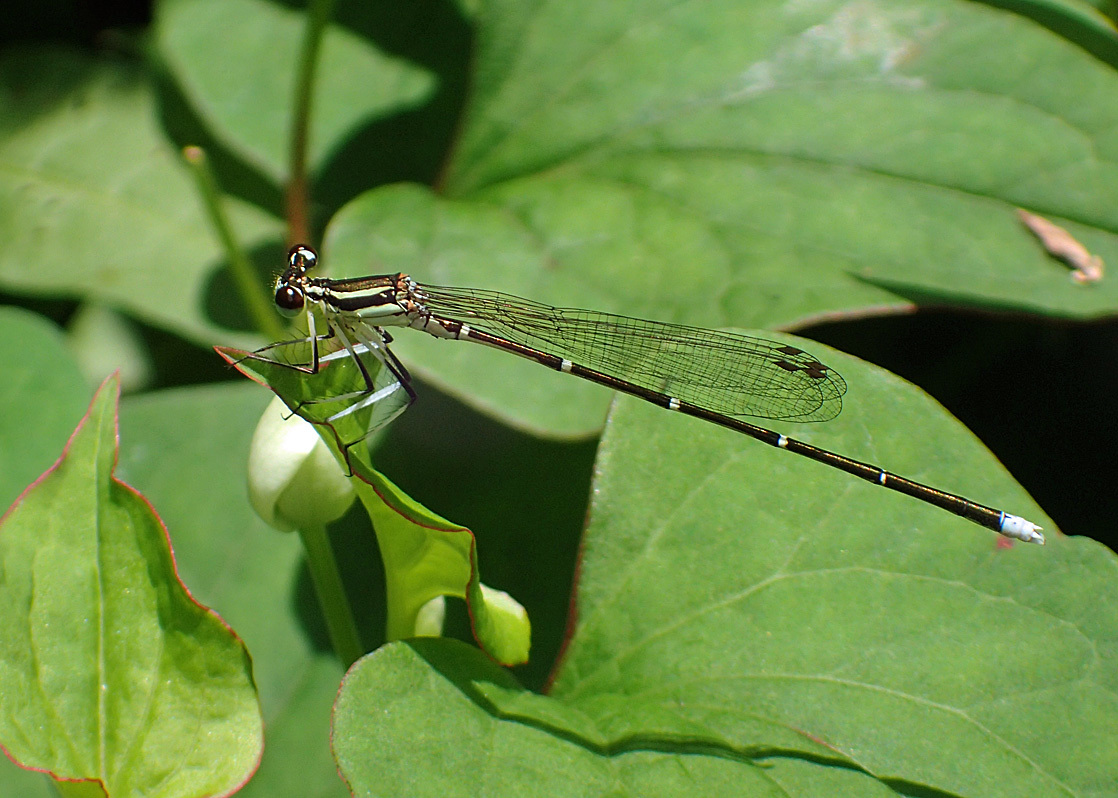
x: 370, y: 399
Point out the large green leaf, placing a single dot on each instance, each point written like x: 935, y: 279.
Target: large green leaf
x: 42, y: 397
x: 875, y: 152
x: 187, y: 450
x: 260, y: 41
x: 742, y: 611
x: 466, y: 749
x: 751, y: 165
x: 96, y: 202
x: 112, y: 672
x: 714, y: 163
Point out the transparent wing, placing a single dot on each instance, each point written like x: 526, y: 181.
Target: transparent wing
x: 729, y: 373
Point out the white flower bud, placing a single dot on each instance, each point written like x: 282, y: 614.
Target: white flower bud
x: 294, y: 481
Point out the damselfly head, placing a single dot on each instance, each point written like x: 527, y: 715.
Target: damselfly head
x: 289, y: 287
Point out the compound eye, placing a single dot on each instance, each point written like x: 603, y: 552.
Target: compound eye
x: 288, y: 300
x: 302, y: 257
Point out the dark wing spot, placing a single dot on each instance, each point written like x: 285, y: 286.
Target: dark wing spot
x: 814, y: 369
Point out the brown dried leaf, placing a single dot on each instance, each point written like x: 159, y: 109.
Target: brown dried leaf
x: 1086, y: 268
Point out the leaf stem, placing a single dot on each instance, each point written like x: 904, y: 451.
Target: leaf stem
x: 331, y: 595
x: 297, y: 199
x: 248, y: 282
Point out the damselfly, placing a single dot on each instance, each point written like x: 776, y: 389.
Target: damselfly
x: 713, y: 375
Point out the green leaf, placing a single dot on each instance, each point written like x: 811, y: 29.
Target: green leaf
x: 741, y: 611
x: 104, y: 342
x: 877, y: 151
x: 186, y: 449
x: 751, y: 165
x: 260, y: 42
x: 97, y: 203
x: 467, y: 748
x: 112, y: 673
x: 41, y: 396
x: 42, y: 392
x: 424, y: 555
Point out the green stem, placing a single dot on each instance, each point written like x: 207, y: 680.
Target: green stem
x: 249, y: 284
x: 331, y: 595
x: 297, y: 200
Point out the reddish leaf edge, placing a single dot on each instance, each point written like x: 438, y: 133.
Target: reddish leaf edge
x: 112, y: 382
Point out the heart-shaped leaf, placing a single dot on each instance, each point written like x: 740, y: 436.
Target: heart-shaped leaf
x: 112, y: 673
x: 186, y: 448
x: 750, y: 165
x: 746, y: 617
